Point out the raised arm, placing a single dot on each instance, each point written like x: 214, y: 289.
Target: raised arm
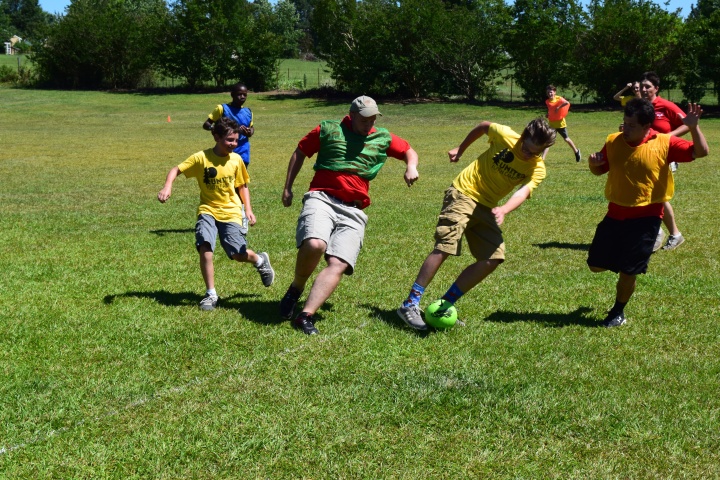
x: 296, y: 162
x: 480, y: 129
x: 618, y: 96
x: 692, y: 122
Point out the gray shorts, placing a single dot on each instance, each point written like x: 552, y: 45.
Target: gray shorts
x: 232, y: 235
x: 340, y: 226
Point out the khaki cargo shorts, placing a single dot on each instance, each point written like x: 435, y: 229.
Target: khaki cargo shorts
x: 461, y: 215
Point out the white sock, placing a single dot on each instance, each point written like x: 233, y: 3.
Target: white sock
x: 260, y: 261
x: 211, y: 292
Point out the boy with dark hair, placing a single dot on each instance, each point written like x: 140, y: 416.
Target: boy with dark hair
x: 637, y: 161
x: 223, y: 179
x: 471, y: 207
x: 236, y: 110
x: 557, y: 110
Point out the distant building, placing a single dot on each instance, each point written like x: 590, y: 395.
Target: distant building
x: 10, y: 46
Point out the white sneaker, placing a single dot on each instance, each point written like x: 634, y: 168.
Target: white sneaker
x: 209, y: 302
x: 674, y: 241
x: 659, y: 241
x: 411, y: 316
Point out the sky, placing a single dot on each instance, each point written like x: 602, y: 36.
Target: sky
x: 58, y: 6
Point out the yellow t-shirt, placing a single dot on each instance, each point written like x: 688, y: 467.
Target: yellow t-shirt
x: 624, y: 100
x: 638, y: 176
x: 217, y: 177
x: 499, y: 169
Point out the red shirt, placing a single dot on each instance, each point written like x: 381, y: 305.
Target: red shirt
x: 679, y: 150
x: 668, y: 116
x: 347, y: 187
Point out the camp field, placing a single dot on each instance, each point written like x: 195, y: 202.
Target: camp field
x: 110, y: 370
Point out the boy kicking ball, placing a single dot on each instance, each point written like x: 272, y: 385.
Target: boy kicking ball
x: 222, y: 178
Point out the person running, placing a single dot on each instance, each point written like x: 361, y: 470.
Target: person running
x: 223, y: 179
x: 557, y: 110
x: 237, y: 111
x: 332, y: 222
x: 472, y: 209
x: 639, y: 183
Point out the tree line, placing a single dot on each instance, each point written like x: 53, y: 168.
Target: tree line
x: 412, y: 48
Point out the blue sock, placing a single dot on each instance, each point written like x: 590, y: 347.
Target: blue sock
x: 453, y: 294
x: 416, y: 293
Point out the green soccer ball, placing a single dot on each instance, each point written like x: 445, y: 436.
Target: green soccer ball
x: 441, y: 314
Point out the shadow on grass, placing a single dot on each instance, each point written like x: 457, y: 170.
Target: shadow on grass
x: 161, y: 233
x: 391, y: 318
x: 567, y: 246
x: 555, y: 320
x: 263, y: 312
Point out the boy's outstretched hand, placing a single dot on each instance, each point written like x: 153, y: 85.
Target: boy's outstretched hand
x: 694, y: 111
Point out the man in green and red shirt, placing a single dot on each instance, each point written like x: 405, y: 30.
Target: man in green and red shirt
x: 332, y: 221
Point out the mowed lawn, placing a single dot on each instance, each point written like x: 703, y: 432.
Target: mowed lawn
x: 109, y: 370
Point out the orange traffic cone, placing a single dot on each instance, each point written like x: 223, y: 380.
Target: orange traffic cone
x: 169, y: 119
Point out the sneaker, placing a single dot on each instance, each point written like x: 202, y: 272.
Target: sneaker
x: 659, y: 240
x: 305, y: 323
x: 288, y: 303
x: 411, y: 316
x: 674, y: 241
x: 614, y: 320
x: 209, y: 302
x: 267, y: 274
x: 578, y: 156
x: 673, y: 167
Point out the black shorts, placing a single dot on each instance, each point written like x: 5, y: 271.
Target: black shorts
x: 624, y: 245
x: 562, y: 132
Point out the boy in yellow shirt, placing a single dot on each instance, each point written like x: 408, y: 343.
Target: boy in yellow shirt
x: 472, y: 209
x: 223, y: 179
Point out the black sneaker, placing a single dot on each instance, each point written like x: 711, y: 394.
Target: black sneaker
x: 578, y: 156
x: 267, y: 274
x: 614, y: 320
x: 288, y: 302
x: 304, y: 322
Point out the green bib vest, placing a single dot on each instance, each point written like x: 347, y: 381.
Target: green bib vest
x: 342, y: 150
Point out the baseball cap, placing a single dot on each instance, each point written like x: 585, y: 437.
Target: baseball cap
x: 365, y: 106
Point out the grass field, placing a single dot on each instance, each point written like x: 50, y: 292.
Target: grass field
x: 110, y: 370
